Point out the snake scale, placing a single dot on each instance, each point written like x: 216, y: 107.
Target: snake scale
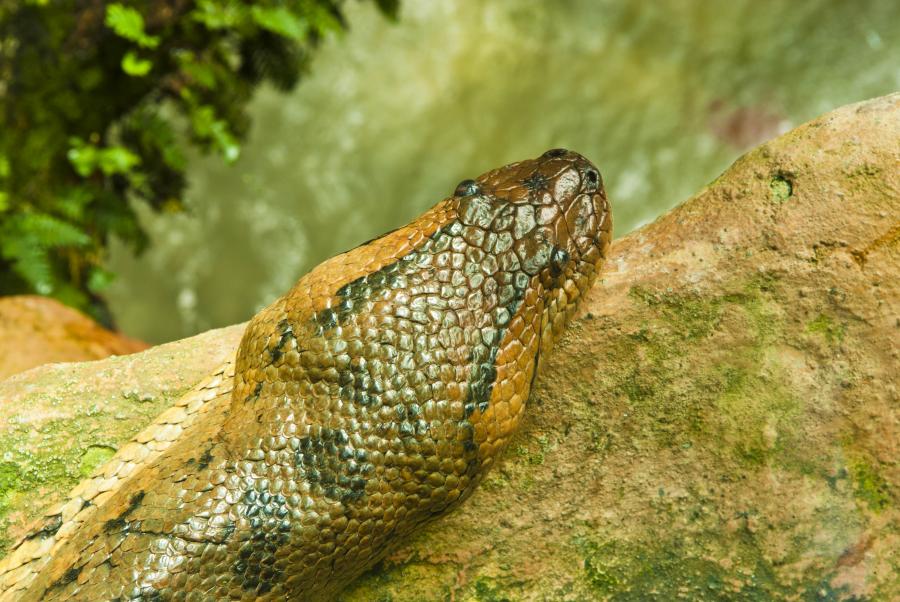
x: 366, y: 402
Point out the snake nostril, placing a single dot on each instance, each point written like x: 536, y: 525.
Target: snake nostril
x: 591, y: 179
x: 467, y: 188
x: 555, y: 152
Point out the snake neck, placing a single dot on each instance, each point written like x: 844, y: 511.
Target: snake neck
x: 432, y: 352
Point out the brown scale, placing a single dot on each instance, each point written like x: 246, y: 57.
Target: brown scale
x: 367, y: 401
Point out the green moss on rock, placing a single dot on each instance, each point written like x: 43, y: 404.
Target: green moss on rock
x: 94, y: 456
x: 487, y: 590
x: 828, y: 328
x: 670, y: 569
x: 781, y: 188
x: 869, y: 486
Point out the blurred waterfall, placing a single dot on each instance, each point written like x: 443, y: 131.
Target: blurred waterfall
x: 661, y: 96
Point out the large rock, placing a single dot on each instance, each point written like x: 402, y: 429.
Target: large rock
x: 39, y: 330
x: 720, y: 422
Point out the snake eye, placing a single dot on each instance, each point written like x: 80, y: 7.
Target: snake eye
x: 591, y: 180
x: 467, y: 188
x: 559, y: 258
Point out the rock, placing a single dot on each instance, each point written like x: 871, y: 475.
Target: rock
x: 59, y: 422
x: 39, y: 330
x: 719, y: 423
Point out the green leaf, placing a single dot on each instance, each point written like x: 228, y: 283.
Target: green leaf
x: 323, y: 19
x: 87, y: 158
x: 4, y: 201
x: 200, y: 72
x: 280, y: 20
x: 129, y: 24
x: 99, y: 279
x: 134, y: 66
x: 208, y: 127
x: 48, y: 231
x: 26, y: 240
x: 83, y: 157
x: 32, y: 263
x: 117, y: 159
x: 69, y: 295
x: 72, y: 202
x: 216, y: 15
x: 225, y: 142
x: 147, y: 133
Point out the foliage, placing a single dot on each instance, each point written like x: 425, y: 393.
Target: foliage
x: 100, y: 100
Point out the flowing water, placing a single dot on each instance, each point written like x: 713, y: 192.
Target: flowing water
x: 662, y: 96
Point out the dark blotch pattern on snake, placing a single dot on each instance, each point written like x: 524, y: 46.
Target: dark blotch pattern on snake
x: 368, y: 400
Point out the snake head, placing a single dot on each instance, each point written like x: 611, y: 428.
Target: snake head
x: 549, y: 218
x: 429, y: 335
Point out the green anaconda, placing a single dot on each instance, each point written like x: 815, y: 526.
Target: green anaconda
x: 367, y: 401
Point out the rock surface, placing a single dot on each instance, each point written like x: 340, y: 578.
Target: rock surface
x: 39, y: 330
x: 59, y: 422
x: 720, y: 422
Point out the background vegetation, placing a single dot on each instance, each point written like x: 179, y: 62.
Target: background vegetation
x: 662, y: 96
x: 99, y: 102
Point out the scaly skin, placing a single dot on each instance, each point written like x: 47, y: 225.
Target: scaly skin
x: 367, y: 401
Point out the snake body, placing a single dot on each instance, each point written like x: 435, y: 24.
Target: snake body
x: 367, y: 401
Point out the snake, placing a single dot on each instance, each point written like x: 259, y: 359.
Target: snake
x: 365, y: 403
